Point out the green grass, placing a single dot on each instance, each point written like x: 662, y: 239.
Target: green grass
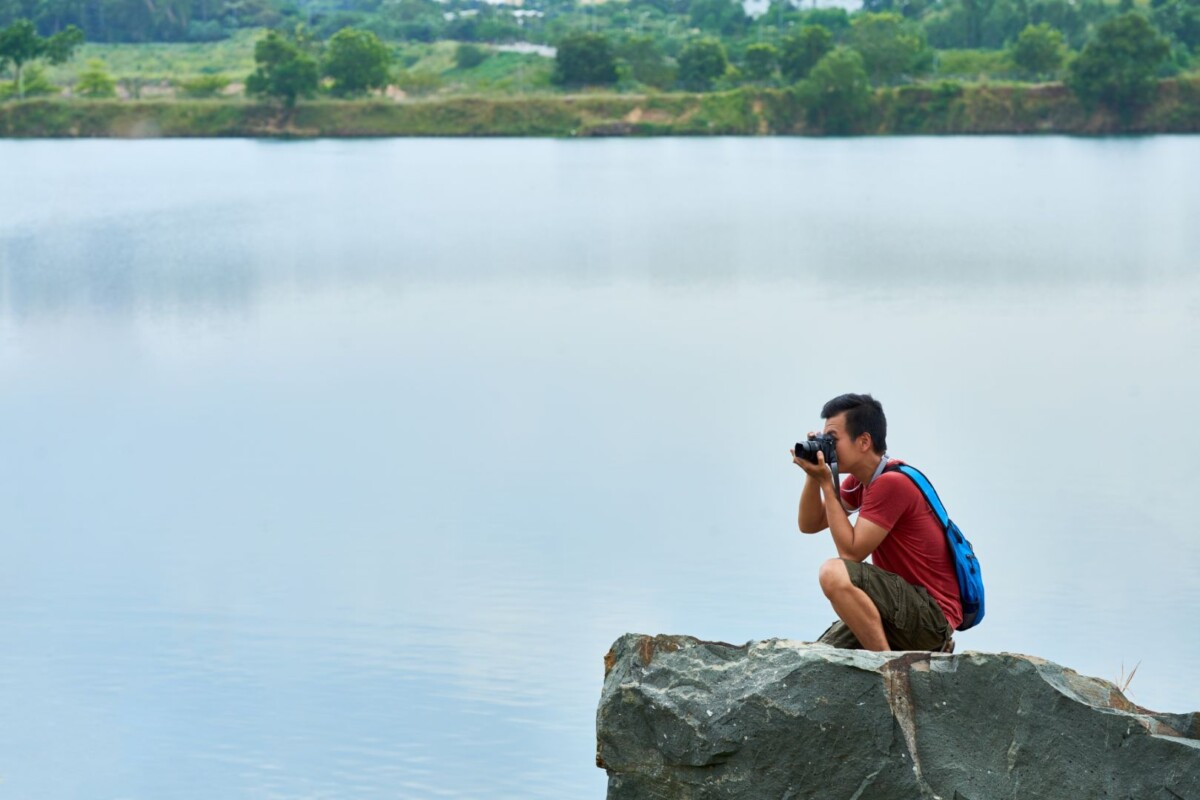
x: 165, y: 62
x: 507, y: 73
x: 163, y: 65
x: 436, y: 57
x: 973, y: 64
x: 501, y: 73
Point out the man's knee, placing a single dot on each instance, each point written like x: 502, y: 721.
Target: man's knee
x: 834, y: 576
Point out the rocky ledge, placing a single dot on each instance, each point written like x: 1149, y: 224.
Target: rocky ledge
x: 683, y: 718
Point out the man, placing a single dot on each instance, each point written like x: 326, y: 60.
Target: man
x: 907, y: 598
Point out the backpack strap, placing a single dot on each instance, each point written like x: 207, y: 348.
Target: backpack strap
x: 962, y: 554
x: 931, y: 495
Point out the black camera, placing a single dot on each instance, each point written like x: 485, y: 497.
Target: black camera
x: 818, y: 443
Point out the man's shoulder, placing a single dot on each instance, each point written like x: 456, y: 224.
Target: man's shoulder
x: 893, y: 474
x: 892, y: 483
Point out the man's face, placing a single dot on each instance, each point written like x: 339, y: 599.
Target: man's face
x: 849, y: 451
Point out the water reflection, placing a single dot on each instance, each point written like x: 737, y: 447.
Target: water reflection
x: 203, y: 226
x: 335, y: 467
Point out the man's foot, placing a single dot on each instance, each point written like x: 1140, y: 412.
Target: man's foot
x: 948, y: 647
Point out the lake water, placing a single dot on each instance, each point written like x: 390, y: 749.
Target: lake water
x: 332, y: 469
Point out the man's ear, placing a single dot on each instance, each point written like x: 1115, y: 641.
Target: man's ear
x: 865, y: 443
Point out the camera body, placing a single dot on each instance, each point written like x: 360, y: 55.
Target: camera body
x: 817, y: 443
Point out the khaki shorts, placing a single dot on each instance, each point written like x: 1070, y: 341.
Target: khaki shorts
x: 912, y: 619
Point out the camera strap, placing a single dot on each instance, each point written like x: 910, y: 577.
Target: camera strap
x: 883, y: 462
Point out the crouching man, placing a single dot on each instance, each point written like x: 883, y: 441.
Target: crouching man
x: 907, y: 598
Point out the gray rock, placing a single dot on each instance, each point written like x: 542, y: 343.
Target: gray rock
x: 682, y: 718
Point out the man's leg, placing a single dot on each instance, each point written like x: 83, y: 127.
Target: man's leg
x: 853, y: 605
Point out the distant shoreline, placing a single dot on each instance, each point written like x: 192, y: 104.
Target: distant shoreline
x: 908, y: 110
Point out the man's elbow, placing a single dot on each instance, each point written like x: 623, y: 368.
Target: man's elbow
x: 812, y: 528
x: 856, y: 553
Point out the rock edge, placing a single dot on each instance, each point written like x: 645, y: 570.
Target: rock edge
x: 685, y: 718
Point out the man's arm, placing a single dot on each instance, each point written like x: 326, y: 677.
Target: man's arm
x: 812, y: 509
x: 811, y: 517
x: 821, y: 507
x: 856, y: 541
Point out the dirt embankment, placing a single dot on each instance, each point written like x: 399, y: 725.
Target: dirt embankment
x: 945, y: 108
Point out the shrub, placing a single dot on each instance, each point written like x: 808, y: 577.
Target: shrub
x: 646, y: 62
x: 837, y: 93
x: 1039, y: 51
x: 418, y: 81
x: 469, y: 56
x: 585, y: 59
x: 802, y: 51
x: 358, y: 62
x: 36, y: 84
x: 284, y: 70
x: 760, y: 62
x: 95, y: 81
x: 1118, y: 68
x: 891, y: 47
x: 202, y: 86
x: 701, y: 63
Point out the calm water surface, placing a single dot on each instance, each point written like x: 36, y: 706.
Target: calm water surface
x: 332, y: 469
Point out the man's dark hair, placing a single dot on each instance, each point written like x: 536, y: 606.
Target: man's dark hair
x: 864, y: 414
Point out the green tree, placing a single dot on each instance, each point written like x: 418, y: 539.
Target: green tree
x: 986, y: 24
x: 724, y: 17
x: 1038, y: 51
x: 36, y: 84
x: 646, y: 62
x: 469, y: 56
x: 20, y: 44
x: 833, y: 19
x: 417, y: 20
x: 890, y: 48
x: 802, y: 50
x: 761, y: 60
x: 701, y: 63
x: 357, y: 62
x: 95, y: 81
x: 837, y: 93
x: 1117, y: 68
x: 284, y: 71
x: 976, y: 12
x: 1179, y: 19
x: 585, y: 59
x: 1071, y: 18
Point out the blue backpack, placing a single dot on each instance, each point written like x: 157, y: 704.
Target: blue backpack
x: 966, y: 566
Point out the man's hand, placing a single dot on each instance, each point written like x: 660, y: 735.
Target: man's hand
x: 819, y: 471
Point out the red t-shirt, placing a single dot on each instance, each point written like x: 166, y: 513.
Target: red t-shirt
x: 915, y: 547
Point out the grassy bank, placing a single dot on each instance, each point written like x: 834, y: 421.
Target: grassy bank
x: 158, y: 70
x: 946, y: 108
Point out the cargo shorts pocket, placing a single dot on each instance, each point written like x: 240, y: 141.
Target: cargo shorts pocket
x: 912, y: 620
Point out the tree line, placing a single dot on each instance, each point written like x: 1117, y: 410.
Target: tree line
x: 148, y: 20
x: 1117, y: 69
x: 670, y: 24
x: 832, y: 58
